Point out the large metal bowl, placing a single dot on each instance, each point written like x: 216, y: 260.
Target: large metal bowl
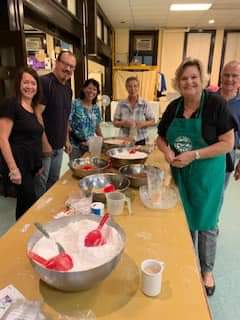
x: 118, y: 162
x: 76, y: 166
x: 76, y: 280
x: 89, y: 183
x: 115, y: 142
x: 136, y: 173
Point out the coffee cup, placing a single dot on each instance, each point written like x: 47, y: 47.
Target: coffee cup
x: 151, y: 271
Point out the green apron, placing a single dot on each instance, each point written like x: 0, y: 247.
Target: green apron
x: 201, y: 183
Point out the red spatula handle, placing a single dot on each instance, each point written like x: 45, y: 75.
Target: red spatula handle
x: 32, y: 255
x: 103, y: 221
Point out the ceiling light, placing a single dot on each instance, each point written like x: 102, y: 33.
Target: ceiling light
x: 190, y: 6
x: 211, y: 21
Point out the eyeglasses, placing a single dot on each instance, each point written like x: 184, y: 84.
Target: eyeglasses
x: 231, y: 75
x: 67, y: 65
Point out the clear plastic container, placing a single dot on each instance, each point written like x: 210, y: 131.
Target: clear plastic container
x: 80, y: 202
x: 155, y: 178
x: 95, y: 145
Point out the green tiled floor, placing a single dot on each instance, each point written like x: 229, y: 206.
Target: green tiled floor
x: 225, y: 303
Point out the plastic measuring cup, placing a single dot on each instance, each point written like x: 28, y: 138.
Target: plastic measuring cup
x: 95, y: 145
x: 116, y: 201
x: 155, y: 183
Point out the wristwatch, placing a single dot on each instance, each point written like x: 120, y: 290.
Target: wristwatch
x: 197, y: 155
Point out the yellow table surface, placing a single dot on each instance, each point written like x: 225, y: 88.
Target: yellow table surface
x: 159, y: 234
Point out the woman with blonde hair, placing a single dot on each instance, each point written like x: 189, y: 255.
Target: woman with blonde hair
x: 195, y: 134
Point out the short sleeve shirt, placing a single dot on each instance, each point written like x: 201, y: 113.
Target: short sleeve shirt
x: 142, y: 111
x: 84, y: 121
x: 234, y: 107
x: 25, y: 137
x: 57, y: 99
x: 216, y: 118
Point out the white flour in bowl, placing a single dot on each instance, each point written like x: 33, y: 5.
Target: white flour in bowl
x: 72, y: 239
x: 127, y: 155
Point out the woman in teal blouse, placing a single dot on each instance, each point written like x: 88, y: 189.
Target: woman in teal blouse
x: 85, y: 118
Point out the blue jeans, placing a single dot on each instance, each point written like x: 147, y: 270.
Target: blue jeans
x: 50, y: 173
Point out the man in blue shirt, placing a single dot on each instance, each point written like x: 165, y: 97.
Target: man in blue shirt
x: 230, y: 84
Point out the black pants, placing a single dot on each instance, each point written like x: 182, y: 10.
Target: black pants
x: 25, y: 195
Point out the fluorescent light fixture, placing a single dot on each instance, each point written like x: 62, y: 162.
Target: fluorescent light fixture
x: 211, y: 21
x: 190, y: 6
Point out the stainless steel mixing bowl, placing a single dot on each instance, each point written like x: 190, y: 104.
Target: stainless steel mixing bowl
x: 136, y: 173
x: 118, y: 162
x: 126, y: 142
x: 76, y: 166
x: 75, y: 280
x: 97, y: 181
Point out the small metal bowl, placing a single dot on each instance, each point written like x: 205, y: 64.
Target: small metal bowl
x: 96, y: 181
x: 76, y: 164
x: 75, y: 280
x: 136, y: 173
x: 117, y: 162
x: 115, y: 142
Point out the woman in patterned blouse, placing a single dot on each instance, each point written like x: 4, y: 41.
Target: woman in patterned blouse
x: 85, y: 118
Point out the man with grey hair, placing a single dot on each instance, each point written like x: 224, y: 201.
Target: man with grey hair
x: 230, y: 85
x: 134, y: 115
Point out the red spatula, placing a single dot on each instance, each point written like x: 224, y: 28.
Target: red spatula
x: 61, y: 262
x: 95, y: 237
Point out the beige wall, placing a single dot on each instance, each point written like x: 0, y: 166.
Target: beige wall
x: 171, y: 54
x: 121, y: 45
x: 170, y: 51
x: 97, y: 72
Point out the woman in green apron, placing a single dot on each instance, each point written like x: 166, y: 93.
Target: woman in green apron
x: 195, y: 133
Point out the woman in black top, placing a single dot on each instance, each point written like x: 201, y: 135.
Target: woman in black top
x: 20, y: 138
x: 195, y: 134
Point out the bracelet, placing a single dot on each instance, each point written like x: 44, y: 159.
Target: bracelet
x: 197, y: 155
x: 13, y: 171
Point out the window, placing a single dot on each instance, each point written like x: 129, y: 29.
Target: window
x: 105, y: 34
x: 200, y: 45
x: 143, y: 47
x: 99, y: 27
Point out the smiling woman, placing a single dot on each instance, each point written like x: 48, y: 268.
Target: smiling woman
x: 85, y: 118
x: 20, y: 138
x: 195, y: 134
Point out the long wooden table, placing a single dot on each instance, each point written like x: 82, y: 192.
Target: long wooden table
x: 159, y: 234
